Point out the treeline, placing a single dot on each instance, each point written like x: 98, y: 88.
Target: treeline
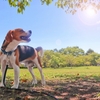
x: 70, y: 56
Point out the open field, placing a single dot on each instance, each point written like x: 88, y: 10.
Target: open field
x: 61, y: 73
x: 77, y: 83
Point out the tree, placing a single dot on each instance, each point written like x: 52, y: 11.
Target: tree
x: 47, y: 57
x: 75, y: 51
x: 79, y: 61
x: 70, y: 56
x: 98, y: 62
x: 71, y: 6
x: 94, y: 56
x: 89, y: 51
x: 55, y: 50
x: 70, y: 59
x: 20, y: 4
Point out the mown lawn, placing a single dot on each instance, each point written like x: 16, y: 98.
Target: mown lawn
x: 61, y: 73
x: 77, y: 83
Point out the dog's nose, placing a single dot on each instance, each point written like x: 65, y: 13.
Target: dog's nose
x: 30, y: 31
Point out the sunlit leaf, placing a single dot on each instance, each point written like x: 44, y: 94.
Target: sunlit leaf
x: 66, y: 4
x: 24, y: 80
x: 71, y: 5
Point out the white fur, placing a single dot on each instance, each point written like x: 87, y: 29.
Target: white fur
x: 16, y: 71
x: 41, y: 53
x: 4, y: 61
x: 12, y: 45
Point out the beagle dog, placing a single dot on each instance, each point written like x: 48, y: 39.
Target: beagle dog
x: 13, y: 54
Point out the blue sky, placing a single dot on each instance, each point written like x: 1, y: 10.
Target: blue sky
x: 51, y: 26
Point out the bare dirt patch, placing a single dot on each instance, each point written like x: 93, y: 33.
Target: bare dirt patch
x: 60, y: 89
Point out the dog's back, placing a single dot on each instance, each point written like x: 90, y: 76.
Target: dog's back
x: 25, y: 52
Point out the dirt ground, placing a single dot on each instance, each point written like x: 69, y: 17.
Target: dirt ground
x: 60, y: 89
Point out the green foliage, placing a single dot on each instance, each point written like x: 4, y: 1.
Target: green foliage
x: 89, y: 51
x: 46, y: 1
x: 71, y: 6
x: 75, y: 51
x: 98, y: 61
x: 70, y: 56
x: 19, y: 4
x: 22, y: 4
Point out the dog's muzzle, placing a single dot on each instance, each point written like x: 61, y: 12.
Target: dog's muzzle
x: 26, y: 38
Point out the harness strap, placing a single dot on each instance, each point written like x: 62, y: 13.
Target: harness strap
x: 5, y: 75
x: 7, y: 53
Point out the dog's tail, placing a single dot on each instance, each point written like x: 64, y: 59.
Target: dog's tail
x: 40, y: 51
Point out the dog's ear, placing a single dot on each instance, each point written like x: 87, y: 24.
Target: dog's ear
x: 8, y: 39
x: 9, y: 36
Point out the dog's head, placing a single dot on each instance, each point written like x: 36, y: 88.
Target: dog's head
x: 19, y: 35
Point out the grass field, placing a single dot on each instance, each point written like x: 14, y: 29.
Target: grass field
x: 77, y: 83
x: 61, y: 73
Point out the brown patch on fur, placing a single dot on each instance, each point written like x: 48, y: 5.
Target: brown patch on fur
x: 0, y: 53
x: 7, y: 40
x: 9, y: 36
x: 39, y: 60
x: 17, y: 33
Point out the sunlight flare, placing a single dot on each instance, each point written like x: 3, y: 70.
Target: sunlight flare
x: 90, y: 11
x: 89, y: 16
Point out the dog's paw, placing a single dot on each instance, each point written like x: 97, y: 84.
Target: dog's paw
x: 15, y: 87
x: 2, y: 85
x: 34, y: 82
x: 43, y: 83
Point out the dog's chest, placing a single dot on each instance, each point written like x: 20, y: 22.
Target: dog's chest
x: 25, y: 52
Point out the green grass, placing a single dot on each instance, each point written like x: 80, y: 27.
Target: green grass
x: 92, y: 72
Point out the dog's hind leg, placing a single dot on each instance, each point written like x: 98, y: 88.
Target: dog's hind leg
x: 32, y: 73
x: 40, y: 70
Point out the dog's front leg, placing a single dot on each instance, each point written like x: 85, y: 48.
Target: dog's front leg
x: 16, y: 76
x: 12, y: 60
x: 3, y: 68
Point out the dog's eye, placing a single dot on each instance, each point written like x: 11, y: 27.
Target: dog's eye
x: 21, y: 31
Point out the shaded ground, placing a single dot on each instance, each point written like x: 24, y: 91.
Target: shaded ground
x: 61, y: 89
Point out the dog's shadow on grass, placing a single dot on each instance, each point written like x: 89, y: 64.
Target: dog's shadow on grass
x: 76, y: 89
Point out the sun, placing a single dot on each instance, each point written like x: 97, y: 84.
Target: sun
x: 89, y: 16
x: 90, y: 11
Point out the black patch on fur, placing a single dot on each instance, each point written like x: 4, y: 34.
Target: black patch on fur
x: 3, y: 47
x: 25, y: 52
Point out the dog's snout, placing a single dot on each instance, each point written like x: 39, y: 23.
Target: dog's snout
x: 30, y: 31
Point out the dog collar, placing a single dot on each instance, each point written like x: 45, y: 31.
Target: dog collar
x: 7, y: 53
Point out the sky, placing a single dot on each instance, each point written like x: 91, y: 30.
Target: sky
x: 52, y: 27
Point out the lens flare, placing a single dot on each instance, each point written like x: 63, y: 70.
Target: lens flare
x: 90, y: 12
x: 89, y: 16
